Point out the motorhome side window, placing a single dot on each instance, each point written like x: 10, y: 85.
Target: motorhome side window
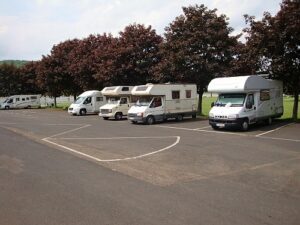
x: 23, y: 99
x: 99, y: 99
x: 264, y: 95
x: 33, y: 97
x: 188, y: 93
x: 175, y: 94
x: 125, y: 88
x: 17, y: 99
x: 27, y: 98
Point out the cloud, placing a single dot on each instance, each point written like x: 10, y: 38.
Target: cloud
x: 29, y: 29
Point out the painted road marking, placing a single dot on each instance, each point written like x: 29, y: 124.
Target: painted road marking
x: 278, y: 128
x: 118, y: 159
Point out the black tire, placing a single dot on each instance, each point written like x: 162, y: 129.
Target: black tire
x: 118, y: 116
x: 194, y: 116
x: 29, y: 107
x: 245, y: 125
x: 134, y: 122
x: 82, y: 112
x: 150, y: 120
x: 179, y: 117
x: 105, y: 118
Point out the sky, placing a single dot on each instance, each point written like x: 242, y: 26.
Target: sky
x: 30, y: 28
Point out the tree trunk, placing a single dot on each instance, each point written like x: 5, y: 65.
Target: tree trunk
x: 200, y: 102
x: 74, y: 96
x: 54, y: 101
x: 295, y: 107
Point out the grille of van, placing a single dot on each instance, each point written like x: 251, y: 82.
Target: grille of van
x: 104, y: 111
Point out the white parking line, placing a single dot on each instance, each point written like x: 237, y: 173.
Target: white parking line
x: 280, y: 139
x: 199, y: 130
x: 118, y: 159
x: 107, y: 160
x: 270, y: 131
x: 68, y: 131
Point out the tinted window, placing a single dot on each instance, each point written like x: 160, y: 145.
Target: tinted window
x: 188, y: 93
x: 175, y: 94
x: 125, y: 88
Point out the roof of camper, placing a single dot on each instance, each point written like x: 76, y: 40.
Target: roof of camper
x: 117, y: 90
x: 239, y: 84
x: 88, y: 93
x: 159, y: 89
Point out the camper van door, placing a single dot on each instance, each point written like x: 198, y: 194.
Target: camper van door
x: 250, y: 107
x: 157, y: 108
x: 88, y: 104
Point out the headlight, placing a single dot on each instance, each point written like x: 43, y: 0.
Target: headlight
x: 233, y: 116
x: 110, y: 111
x: 211, y: 115
x: 140, y: 114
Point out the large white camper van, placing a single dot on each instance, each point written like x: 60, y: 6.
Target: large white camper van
x: 245, y: 100
x: 87, y: 102
x: 158, y: 102
x: 118, y: 102
x: 22, y: 101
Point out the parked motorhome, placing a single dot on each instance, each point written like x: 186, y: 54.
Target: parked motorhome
x: 118, y: 102
x: 245, y: 100
x: 21, y: 101
x: 158, y: 102
x: 87, y: 103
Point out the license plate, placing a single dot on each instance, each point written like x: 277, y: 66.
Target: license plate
x: 220, y: 125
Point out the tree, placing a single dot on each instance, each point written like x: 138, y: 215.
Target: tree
x: 49, y: 77
x: 9, y: 80
x: 130, y: 58
x: 197, y: 48
x: 27, y: 78
x: 276, y: 40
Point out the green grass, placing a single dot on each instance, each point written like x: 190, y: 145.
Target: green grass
x: 288, y: 103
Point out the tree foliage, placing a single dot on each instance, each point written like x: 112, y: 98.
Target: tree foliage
x: 197, y: 48
x: 275, y: 43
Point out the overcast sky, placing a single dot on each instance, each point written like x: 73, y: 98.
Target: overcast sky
x: 29, y: 28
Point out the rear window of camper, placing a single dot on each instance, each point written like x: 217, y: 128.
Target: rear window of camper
x: 264, y: 95
x: 188, y: 93
x: 175, y: 94
x: 33, y: 97
x: 99, y: 99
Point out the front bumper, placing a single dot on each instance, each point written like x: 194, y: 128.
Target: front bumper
x: 73, y: 111
x: 134, y: 118
x: 226, y: 123
x: 108, y: 115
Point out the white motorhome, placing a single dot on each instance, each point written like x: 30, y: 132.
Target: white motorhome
x: 87, y: 103
x: 22, y: 101
x: 158, y: 102
x: 245, y: 100
x: 118, y: 102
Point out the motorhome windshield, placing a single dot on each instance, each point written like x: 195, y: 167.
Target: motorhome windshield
x: 235, y: 99
x: 79, y: 100
x: 113, y: 100
x: 144, y: 100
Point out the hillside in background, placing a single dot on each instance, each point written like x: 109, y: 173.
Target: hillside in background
x: 17, y: 63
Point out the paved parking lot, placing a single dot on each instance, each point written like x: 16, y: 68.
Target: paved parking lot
x: 222, y: 177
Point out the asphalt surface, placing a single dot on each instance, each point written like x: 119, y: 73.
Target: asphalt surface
x: 61, y: 169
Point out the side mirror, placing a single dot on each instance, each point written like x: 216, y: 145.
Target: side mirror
x: 212, y: 104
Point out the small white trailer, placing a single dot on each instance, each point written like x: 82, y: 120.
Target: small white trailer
x: 158, y: 102
x: 118, y: 102
x: 245, y: 100
x: 22, y: 101
x: 87, y: 103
